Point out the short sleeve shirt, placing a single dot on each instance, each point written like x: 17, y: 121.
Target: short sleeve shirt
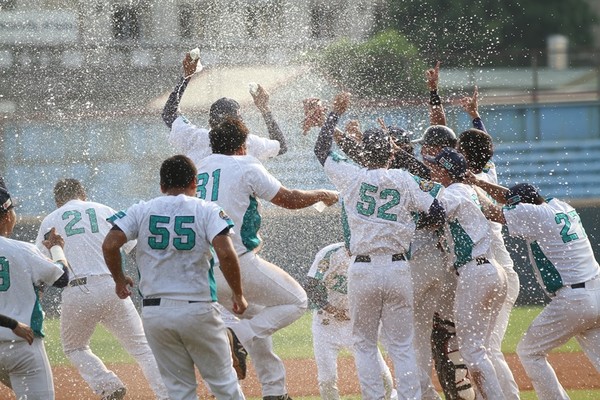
x: 194, y: 142
x: 173, y: 255
x: 331, y: 268
x: 379, y: 204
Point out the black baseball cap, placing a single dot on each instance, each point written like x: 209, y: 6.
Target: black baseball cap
x: 522, y: 193
x: 224, y: 107
x: 399, y: 135
x: 438, y: 135
x: 376, y: 144
x: 6, y: 202
x: 451, y: 160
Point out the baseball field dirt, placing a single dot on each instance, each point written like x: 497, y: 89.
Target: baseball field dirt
x: 573, y: 369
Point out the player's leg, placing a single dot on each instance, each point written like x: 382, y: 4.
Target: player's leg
x: 211, y: 353
x: 326, y: 353
x: 505, y: 376
x: 365, y: 297
x: 564, y: 317
x: 589, y: 339
x: 80, y: 312
x: 30, y: 374
x: 476, y: 305
x: 397, y: 326
x: 129, y: 332
x: 427, y: 272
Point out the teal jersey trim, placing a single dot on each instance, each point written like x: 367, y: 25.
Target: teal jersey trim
x: 548, y: 272
x: 463, y: 244
x: 337, y: 157
x: 250, y: 226
x: 325, y: 263
x: 37, y: 316
x: 212, y: 283
x: 345, y: 226
x: 341, y: 284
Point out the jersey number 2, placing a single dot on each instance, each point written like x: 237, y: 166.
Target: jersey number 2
x: 568, y: 219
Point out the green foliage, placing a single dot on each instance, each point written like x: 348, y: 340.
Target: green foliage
x: 464, y: 32
x: 386, y: 66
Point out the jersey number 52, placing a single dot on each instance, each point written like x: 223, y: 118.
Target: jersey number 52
x: 368, y: 205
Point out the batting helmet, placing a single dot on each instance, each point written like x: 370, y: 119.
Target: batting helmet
x: 438, y: 135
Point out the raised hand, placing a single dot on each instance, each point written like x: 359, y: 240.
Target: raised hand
x: 433, y: 76
x: 470, y: 104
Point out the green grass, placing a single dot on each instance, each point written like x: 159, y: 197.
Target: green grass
x: 292, y: 342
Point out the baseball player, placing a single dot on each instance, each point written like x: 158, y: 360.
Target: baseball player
x: 24, y: 366
x: 194, y: 142
x: 377, y: 204
x: 481, y: 285
x: 236, y: 181
x: 477, y: 147
x: 88, y: 299
x: 331, y: 327
x: 565, y: 267
x: 184, y: 328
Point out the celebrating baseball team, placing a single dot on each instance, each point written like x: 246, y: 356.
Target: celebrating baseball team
x: 422, y: 270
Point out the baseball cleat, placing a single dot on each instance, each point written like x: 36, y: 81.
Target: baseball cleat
x: 282, y: 397
x: 238, y: 354
x: 118, y: 394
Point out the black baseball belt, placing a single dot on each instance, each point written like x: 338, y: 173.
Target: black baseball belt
x: 155, y: 301
x: 367, y: 259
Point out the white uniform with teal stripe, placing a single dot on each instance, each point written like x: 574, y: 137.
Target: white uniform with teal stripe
x: 559, y: 248
x: 174, y: 236
x: 194, y: 142
x: 237, y: 183
x: 22, y: 267
x: 481, y: 286
x: 562, y: 256
x: 378, y: 205
x: 173, y: 254
x: 84, y: 225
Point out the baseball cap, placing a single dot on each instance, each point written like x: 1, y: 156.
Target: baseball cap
x: 6, y: 202
x: 522, y: 193
x: 376, y: 144
x: 451, y: 160
x: 438, y: 135
x: 222, y: 108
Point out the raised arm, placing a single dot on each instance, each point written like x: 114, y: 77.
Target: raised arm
x: 171, y: 109
x: 55, y: 243
x: 437, y: 116
x: 261, y: 100
x: 325, y: 139
x: 492, y: 211
x: 471, y: 107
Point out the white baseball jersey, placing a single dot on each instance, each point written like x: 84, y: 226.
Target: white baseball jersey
x: 83, y: 225
x: 23, y: 266
x: 378, y: 205
x: 331, y: 267
x: 466, y: 227
x: 236, y: 183
x: 173, y: 253
x: 194, y: 142
x: 559, y: 248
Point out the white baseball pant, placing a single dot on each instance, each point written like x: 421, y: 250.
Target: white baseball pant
x: 276, y: 300
x: 480, y: 293
x: 183, y: 335
x: 85, y: 306
x: 26, y: 369
x: 380, y: 292
x: 571, y: 313
x: 330, y: 336
x: 428, y: 273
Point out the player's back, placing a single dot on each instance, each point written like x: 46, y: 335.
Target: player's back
x: 21, y: 267
x: 173, y: 251
x: 237, y: 183
x: 83, y: 226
